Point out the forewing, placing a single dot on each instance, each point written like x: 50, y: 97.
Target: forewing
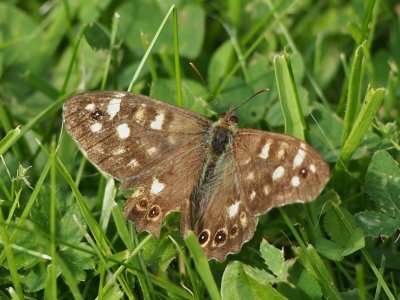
x: 131, y: 136
x: 276, y: 169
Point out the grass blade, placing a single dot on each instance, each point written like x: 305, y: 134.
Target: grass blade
x: 354, y: 93
x: 202, y: 266
x: 152, y: 43
x: 289, y: 98
x: 372, y: 103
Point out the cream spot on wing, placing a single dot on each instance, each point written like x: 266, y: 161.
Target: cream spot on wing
x: 123, y: 131
x: 313, y: 168
x: 158, y: 122
x: 119, y: 151
x: 243, y: 219
x: 282, y: 149
x: 139, y: 191
x: 252, y: 195
x: 156, y: 187
x: 233, y: 209
x: 151, y: 151
x: 245, y: 162
x: 96, y: 127
x: 303, y: 146
x: 113, y: 107
x: 119, y: 94
x: 90, y: 107
x: 266, y: 190
x: 250, y: 176
x: 171, y: 140
x: 278, y: 173
x: 299, y: 158
x: 265, y: 150
x: 140, y: 114
x: 133, y: 163
x: 295, y: 181
x: 281, y: 152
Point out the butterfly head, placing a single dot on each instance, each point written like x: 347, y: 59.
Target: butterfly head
x: 229, y: 118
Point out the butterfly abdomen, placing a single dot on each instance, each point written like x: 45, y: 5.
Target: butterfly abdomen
x: 218, y: 142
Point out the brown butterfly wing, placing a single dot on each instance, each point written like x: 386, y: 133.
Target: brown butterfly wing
x: 167, y: 188
x: 275, y: 169
x: 226, y: 223
x: 145, y: 143
x: 261, y: 170
x: 128, y: 135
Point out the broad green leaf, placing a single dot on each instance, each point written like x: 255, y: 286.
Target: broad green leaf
x: 377, y: 223
x: 144, y: 17
x: 335, y: 251
x: 336, y: 225
x: 382, y: 183
x: 237, y: 283
x: 97, y: 37
x: 235, y: 93
x: 325, y: 130
x: 329, y: 249
x: 355, y: 242
x: 302, y: 285
x: 90, y: 12
x: 194, y: 95
x: 35, y: 278
x: 275, y: 260
x: 220, y: 64
x: 309, y: 285
x: 77, y: 260
x: 346, y: 238
x: 68, y: 214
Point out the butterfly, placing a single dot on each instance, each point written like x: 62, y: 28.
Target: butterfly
x: 218, y: 176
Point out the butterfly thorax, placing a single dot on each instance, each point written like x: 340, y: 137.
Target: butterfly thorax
x: 218, y: 145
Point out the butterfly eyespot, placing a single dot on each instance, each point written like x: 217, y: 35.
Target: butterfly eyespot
x: 154, y: 212
x: 204, y: 237
x: 233, y: 231
x: 96, y: 115
x: 233, y: 119
x: 142, y: 203
x: 303, y: 172
x: 220, y: 237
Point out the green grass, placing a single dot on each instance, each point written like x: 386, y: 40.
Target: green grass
x: 331, y: 68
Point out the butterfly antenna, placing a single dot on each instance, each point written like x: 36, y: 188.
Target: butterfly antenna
x: 205, y: 84
x: 252, y: 96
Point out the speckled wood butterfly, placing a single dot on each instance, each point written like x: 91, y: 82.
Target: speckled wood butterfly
x: 220, y: 177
